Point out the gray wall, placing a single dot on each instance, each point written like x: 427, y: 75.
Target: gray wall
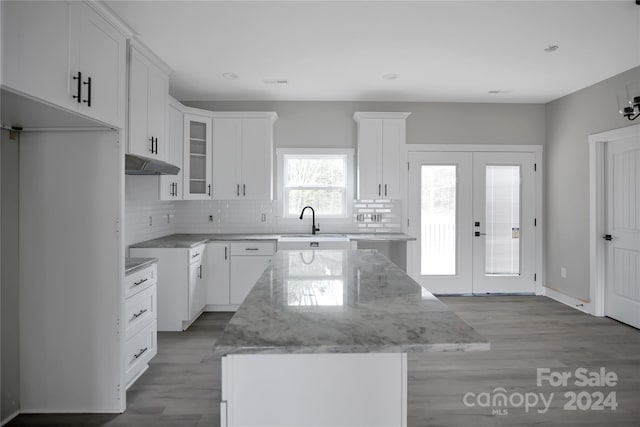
x: 570, y: 120
x: 330, y: 124
x: 10, y: 361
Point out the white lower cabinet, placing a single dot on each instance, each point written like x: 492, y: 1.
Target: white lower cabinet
x: 234, y: 267
x: 248, y: 262
x: 140, y: 323
x: 181, y: 284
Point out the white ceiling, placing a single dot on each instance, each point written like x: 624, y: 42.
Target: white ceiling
x: 338, y: 50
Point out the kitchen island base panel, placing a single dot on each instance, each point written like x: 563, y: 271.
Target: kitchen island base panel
x: 352, y: 389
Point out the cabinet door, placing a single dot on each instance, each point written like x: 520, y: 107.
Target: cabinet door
x: 369, y: 159
x: 171, y: 185
x: 393, y: 135
x: 36, y: 39
x: 197, y: 157
x: 245, y: 272
x: 139, y: 138
x: 226, y: 158
x: 158, y: 93
x: 99, y: 49
x: 196, y: 289
x: 256, y: 159
x: 217, y: 277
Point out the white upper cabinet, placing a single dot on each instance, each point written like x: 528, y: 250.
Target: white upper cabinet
x: 380, y: 140
x: 171, y: 186
x: 67, y: 54
x: 148, y: 97
x: 197, y: 157
x: 243, y: 155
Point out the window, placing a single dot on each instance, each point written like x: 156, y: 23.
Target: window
x: 318, y: 178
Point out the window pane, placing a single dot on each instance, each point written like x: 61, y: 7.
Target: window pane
x: 324, y: 201
x: 315, y: 292
x: 315, y: 172
x: 503, y: 220
x: 438, y: 220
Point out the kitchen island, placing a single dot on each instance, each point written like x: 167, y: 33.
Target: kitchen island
x: 322, y: 339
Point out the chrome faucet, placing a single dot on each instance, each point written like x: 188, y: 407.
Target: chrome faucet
x: 313, y: 219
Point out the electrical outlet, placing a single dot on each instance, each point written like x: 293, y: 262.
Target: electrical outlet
x: 263, y: 217
x: 563, y: 272
x: 210, y: 218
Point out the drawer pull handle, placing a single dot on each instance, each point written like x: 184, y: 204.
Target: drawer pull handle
x: 139, y: 282
x: 251, y: 249
x: 142, y: 351
x: 140, y: 313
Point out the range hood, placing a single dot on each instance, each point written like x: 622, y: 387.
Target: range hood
x: 134, y: 165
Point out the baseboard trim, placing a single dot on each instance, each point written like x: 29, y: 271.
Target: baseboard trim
x: 10, y: 417
x: 578, y: 304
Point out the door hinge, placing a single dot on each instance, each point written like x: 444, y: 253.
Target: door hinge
x: 535, y: 167
x: 535, y: 277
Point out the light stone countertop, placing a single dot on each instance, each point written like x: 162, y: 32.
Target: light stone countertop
x: 353, y: 301
x: 131, y: 265
x: 192, y: 240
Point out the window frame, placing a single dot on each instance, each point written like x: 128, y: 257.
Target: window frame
x: 348, y: 153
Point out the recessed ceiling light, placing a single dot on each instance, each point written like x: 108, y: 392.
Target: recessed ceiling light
x: 391, y: 76
x: 230, y: 76
x: 551, y: 48
x: 275, y: 81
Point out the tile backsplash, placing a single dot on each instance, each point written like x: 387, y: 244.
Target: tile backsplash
x: 147, y: 218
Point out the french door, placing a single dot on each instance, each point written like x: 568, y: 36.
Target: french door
x: 474, y: 218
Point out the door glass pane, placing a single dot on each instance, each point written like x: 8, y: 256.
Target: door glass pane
x: 438, y: 220
x: 502, y: 221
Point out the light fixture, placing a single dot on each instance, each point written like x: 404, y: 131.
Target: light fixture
x: 230, y: 76
x: 551, y: 48
x: 390, y: 76
x: 631, y: 112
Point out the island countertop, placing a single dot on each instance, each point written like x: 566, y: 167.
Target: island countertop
x: 343, y: 301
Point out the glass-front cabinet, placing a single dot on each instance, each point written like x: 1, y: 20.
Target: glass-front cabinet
x: 197, y: 157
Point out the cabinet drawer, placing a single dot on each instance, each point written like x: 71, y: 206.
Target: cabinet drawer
x: 253, y: 248
x: 140, y: 280
x: 140, y: 310
x: 195, y: 254
x: 139, y: 350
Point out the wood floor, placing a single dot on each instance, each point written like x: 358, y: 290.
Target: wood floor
x: 182, y: 386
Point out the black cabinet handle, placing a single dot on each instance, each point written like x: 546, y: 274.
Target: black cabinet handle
x: 140, y: 313
x: 225, y: 252
x: 139, y: 282
x: 88, y: 100
x: 238, y: 190
x: 379, y: 189
x: 209, y: 191
x: 200, y: 272
x: 385, y: 190
x: 244, y: 189
x: 608, y: 237
x: 142, y: 351
x: 79, y: 87
x: 151, y: 149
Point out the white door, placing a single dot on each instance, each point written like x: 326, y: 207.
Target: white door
x: 392, y: 137
x: 226, y: 158
x: 504, y: 223
x: 440, y: 217
x: 218, y: 273
x: 622, y: 265
x: 473, y: 216
x: 369, y: 159
x: 256, y: 159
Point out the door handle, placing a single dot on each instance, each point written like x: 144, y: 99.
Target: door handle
x: 88, y: 100
x: 478, y: 234
x: 608, y: 237
x: 79, y: 87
